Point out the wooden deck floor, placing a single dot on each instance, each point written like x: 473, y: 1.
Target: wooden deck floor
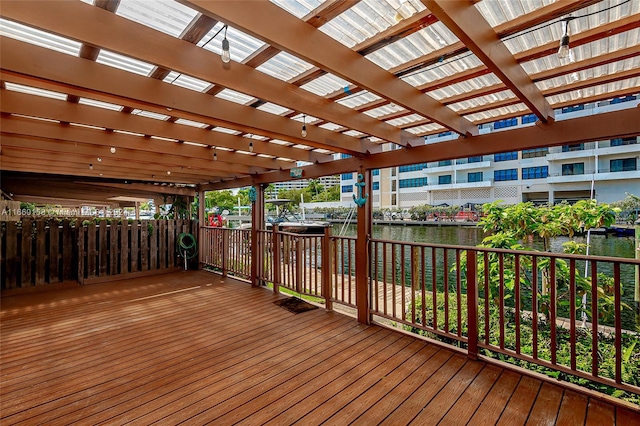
x: 190, y: 347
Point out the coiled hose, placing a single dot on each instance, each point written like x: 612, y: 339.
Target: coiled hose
x: 187, y: 246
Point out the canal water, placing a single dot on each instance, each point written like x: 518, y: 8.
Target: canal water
x: 601, y: 245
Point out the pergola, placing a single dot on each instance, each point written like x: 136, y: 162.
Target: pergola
x: 126, y: 98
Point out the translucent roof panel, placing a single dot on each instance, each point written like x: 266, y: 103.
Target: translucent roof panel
x: 225, y: 130
x: 497, y: 112
x: 586, y: 75
x: 419, y: 130
x: 482, y: 101
x: 187, y: 82
x: 366, y: 19
x: 632, y: 84
x: 358, y: 99
x: 241, y: 45
x: 233, y: 96
x: 100, y: 104
x: 465, y: 87
x: 413, y: 46
x: 405, y: 120
x: 167, y: 16
x: 326, y: 85
x: 273, y: 108
x: 284, y: 66
x: 442, y: 70
x: 330, y: 126
x: 298, y: 8
x: 124, y: 63
x: 35, y: 91
x: 191, y: 123
x: 581, y: 23
x: 39, y: 38
x: 150, y: 114
x: 384, y: 110
x: 498, y: 12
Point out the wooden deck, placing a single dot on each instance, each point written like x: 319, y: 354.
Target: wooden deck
x: 192, y: 347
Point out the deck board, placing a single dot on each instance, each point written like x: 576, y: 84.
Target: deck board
x: 197, y: 348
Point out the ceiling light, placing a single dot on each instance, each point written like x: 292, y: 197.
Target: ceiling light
x: 169, y: 172
x: 99, y: 160
x: 304, y: 126
x: 226, y: 55
x: 113, y: 149
x: 215, y: 154
x: 563, y: 50
x: 251, y: 146
x: 90, y: 166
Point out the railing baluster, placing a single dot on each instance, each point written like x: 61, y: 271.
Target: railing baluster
x: 393, y: 280
x: 402, y: 277
x: 472, y: 305
x: 572, y: 311
x: 486, y: 297
x: 594, y: 318
x: 517, y: 301
x: 434, y: 288
x: 423, y: 285
x: 446, y: 290
x: 501, y: 292
x: 384, y: 275
x: 534, y: 304
x: 552, y: 307
x: 459, y: 292
x: 617, y: 321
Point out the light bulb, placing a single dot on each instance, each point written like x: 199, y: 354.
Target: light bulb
x: 226, y: 55
x: 563, y: 50
x: 304, y: 131
x: 90, y: 166
x: 113, y: 150
x: 250, y: 146
x: 215, y: 156
x: 99, y: 160
x: 168, y: 172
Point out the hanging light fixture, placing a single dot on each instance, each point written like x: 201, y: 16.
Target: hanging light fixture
x: 113, y: 149
x: 215, y: 154
x: 226, y: 56
x: 563, y: 50
x: 304, y: 126
x: 251, y: 146
x: 90, y: 166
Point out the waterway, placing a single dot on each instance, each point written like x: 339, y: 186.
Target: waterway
x: 600, y: 245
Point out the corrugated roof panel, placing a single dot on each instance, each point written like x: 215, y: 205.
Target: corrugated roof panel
x: 298, y: 8
x: 273, y: 108
x: 497, y: 112
x: 150, y: 114
x: 100, y: 104
x: 483, y: 100
x: 241, y: 45
x: 233, y: 96
x: 586, y: 75
x: 187, y: 82
x: 35, y: 91
x: 497, y: 12
x: 418, y: 130
x: 326, y: 84
x: 354, y: 133
x: 443, y: 69
x: 190, y: 123
x: 167, y: 16
x: 225, y: 130
x: 384, y: 110
x: 464, y: 87
x: 631, y: 83
x: 126, y: 63
x: 413, y: 46
x: 39, y: 38
x: 284, y: 66
x: 330, y: 126
x: 358, y: 99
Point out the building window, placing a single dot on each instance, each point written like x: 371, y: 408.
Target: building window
x: 475, y: 159
x: 375, y: 186
x: 345, y: 155
x: 394, y: 200
x: 509, y: 122
x: 444, y: 134
x: 506, y: 156
x: 624, y: 141
x: 507, y: 174
x: 444, y: 163
x: 412, y: 168
x: 531, y: 118
x: 413, y: 183
x: 474, y: 177
x: 624, y: 99
x: 572, y: 169
x: 376, y: 172
x: 393, y: 185
x: 444, y: 180
x: 347, y: 188
x: 572, y: 108
x: 624, y: 165
x: 574, y: 147
x: 532, y: 153
x: 346, y: 176
x: 535, y: 172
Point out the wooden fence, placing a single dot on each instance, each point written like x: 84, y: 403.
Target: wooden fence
x: 52, y: 252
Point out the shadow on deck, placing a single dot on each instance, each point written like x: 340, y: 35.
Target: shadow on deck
x: 192, y: 346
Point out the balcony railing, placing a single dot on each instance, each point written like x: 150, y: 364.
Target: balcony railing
x: 530, y: 306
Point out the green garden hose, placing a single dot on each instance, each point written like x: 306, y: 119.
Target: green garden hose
x: 187, y: 246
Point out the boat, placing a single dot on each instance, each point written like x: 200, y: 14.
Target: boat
x: 621, y: 231
x: 290, y: 222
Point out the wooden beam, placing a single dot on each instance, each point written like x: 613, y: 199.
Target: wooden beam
x: 294, y: 36
x: 618, y: 124
x: 145, y: 187
x: 95, y: 26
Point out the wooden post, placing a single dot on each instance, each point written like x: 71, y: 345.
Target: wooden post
x: 472, y: 305
x: 362, y: 252
x: 202, y: 222
x: 225, y: 250
x: 277, y: 261
x: 327, y: 285
x: 636, y: 297
x: 257, y: 222
x: 299, y: 242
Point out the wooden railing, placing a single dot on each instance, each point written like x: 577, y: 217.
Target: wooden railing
x: 521, y: 304
x: 55, y: 251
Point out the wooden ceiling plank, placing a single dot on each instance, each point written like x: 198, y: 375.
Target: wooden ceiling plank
x: 330, y: 55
